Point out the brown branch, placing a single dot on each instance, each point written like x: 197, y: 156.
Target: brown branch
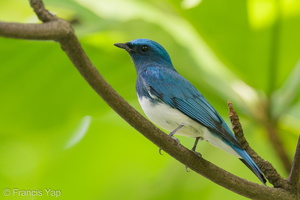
x: 76, y: 54
x: 52, y: 30
x: 294, y: 177
x: 41, y: 12
x: 267, y: 168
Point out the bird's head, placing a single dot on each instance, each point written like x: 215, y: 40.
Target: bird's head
x: 146, y: 52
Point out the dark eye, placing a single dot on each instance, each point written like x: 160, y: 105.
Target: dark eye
x: 145, y: 48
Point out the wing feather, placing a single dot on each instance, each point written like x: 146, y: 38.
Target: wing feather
x: 179, y: 93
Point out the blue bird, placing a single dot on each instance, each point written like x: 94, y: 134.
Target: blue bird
x: 173, y: 103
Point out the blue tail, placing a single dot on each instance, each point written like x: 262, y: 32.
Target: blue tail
x: 247, y: 160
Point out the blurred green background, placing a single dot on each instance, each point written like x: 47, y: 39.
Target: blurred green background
x: 56, y: 133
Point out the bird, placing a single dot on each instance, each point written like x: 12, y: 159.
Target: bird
x: 173, y: 103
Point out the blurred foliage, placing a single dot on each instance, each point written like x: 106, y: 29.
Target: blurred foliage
x: 57, y: 133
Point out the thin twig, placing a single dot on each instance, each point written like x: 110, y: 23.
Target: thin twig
x: 42, y: 13
x: 267, y: 168
x: 294, y: 177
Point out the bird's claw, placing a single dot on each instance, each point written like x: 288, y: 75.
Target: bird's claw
x: 159, y: 151
x: 187, y: 169
x: 198, y: 154
x: 176, y: 139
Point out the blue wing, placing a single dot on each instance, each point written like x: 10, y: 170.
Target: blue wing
x: 173, y: 89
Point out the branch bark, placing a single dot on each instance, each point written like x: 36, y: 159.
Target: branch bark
x: 52, y: 30
x: 61, y: 31
x: 41, y: 12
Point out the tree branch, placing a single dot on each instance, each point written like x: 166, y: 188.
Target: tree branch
x: 294, y: 177
x: 52, y: 30
x: 76, y: 54
x: 41, y: 12
x: 267, y: 168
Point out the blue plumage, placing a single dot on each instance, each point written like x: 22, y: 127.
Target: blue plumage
x: 172, y: 102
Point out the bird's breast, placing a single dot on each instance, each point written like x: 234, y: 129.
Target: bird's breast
x: 170, y: 118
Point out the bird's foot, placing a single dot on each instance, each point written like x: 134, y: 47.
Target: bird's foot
x: 171, y: 134
x: 197, y: 153
x: 174, y: 138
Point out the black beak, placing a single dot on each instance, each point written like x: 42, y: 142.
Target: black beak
x: 123, y: 46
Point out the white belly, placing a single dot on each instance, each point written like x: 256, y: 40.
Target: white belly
x: 170, y: 118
